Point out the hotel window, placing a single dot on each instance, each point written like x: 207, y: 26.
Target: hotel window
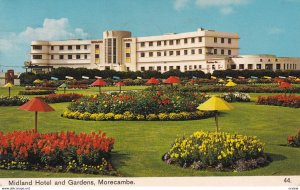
x: 250, y: 66
x: 185, y: 52
x: 192, y: 51
x: 150, y: 54
x: 177, y: 52
x: 165, y: 68
x: 171, y: 52
x: 229, y: 52
x: 177, y: 42
x: 37, y: 47
x: 192, y: 40
x: 142, y: 54
x: 142, y: 68
x: 158, y: 68
x: 178, y: 67
x: 107, y: 68
x: 165, y: 43
x: 151, y: 68
x: 276, y: 60
x: 200, y: 67
x: 190, y: 67
x: 185, y: 68
x: 222, y: 40
x: 158, y: 54
x: 269, y: 60
x: 127, y: 55
x: 215, y: 51
x: 77, y: 46
x: 185, y: 40
x: 77, y: 56
x: 215, y: 40
x: 61, y: 47
x: 165, y: 53
x: 195, y: 66
x: 127, y: 68
x: 69, y: 56
x: 85, y: 56
x: 127, y: 45
x: 229, y: 40
x: 258, y: 66
x: 36, y: 56
x: 159, y: 43
x: 52, y: 56
x: 142, y: 44
x: 85, y: 46
x: 200, y: 39
x: 96, y: 56
x: 61, y: 56
x: 233, y: 66
x: 52, y: 47
x: 278, y: 67
x: 213, y: 67
x: 199, y: 51
x: 171, y: 68
x: 97, y: 46
x: 241, y: 66
x: 260, y: 60
x: 69, y: 47
x: 150, y: 43
x: 171, y: 42
x: 222, y: 51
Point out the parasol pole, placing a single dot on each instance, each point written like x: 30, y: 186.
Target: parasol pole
x: 99, y: 89
x: 8, y: 91
x: 120, y: 88
x: 216, y: 120
x: 35, y: 122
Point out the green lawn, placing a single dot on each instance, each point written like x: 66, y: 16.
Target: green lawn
x: 140, y: 144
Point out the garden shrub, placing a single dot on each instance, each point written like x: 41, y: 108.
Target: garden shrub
x: 294, y: 140
x: 236, y: 97
x: 36, y: 92
x: 280, y: 100
x: 26, y: 150
x: 57, y: 98
x: 13, y: 101
x: 222, y: 151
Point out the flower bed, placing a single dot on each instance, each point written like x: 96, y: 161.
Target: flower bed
x: 236, y: 97
x: 13, y: 101
x: 57, y: 98
x: 36, y: 92
x: 128, y: 116
x: 238, y: 88
x: 67, y: 152
x: 280, y: 100
x: 39, y: 88
x: 294, y: 140
x: 142, y: 105
x: 221, y: 151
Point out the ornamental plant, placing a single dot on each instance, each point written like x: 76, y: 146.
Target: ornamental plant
x: 235, y: 97
x: 280, y: 100
x: 36, y: 92
x: 13, y: 101
x: 221, y: 151
x: 29, y: 150
x: 294, y: 140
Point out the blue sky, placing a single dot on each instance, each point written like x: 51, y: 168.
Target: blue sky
x: 264, y: 26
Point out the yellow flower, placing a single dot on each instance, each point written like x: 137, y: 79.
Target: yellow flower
x: 219, y: 157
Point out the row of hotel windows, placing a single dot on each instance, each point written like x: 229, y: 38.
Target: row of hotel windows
x: 178, y: 41
x: 185, y: 67
x: 267, y: 66
x: 78, y: 56
x: 68, y: 47
x: 178, y: 53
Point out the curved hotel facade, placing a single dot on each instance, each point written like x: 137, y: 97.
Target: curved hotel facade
x: 204, y: 50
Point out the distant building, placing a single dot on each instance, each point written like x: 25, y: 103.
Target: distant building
x: 204, y: 50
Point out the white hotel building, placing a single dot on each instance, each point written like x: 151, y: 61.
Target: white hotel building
x: 204, y: 50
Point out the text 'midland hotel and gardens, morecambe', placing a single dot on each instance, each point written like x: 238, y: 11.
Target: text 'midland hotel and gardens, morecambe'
x: 205, y: 50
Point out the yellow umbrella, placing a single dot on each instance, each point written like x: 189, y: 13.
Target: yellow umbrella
x: 37, y: 81
x: 230, y: 83
x: 8, y: 85
x: 215, y: 104
x: 297, y: 80
x: 221, y: 80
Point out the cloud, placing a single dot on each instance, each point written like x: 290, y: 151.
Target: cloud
x: 180, y: 4
x: 225, y: 7
x: 275, y: 30
x: 52, y: 29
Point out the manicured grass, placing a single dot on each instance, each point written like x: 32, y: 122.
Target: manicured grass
x: 140, y: 144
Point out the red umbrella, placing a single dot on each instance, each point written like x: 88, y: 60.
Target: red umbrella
x: 99, y: 82
x: 172, y: 80
x: 120, y: 84
x: 152, y: 81
x: 36, y: 105
x: 285, y: 85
